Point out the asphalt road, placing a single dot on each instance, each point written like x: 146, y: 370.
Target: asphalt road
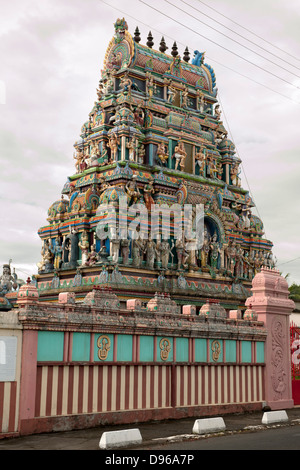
x: 283, y: 438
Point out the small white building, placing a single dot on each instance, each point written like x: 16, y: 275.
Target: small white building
x: 295, y: 316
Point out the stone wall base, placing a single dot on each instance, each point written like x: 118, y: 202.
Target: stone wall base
x: 86, y: 421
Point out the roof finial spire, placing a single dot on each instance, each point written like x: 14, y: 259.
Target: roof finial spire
x: 186, y: 55
x: 163, y: 47
x: 137, y: 35
x: 174, y: 50
x: 150, y: 42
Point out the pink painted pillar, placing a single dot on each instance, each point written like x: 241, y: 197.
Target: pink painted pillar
x: 28, y: 378
x: 270, y: 300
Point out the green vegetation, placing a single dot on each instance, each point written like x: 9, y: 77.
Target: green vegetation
x: 295, y: 292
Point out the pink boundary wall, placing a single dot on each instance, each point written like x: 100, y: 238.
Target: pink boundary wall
x: 237, y: 387
x: 270, y: 300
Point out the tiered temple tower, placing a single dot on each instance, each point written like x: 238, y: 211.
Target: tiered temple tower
x: 154, y: 136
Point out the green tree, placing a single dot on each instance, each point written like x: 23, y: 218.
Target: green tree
x: 295, y: 292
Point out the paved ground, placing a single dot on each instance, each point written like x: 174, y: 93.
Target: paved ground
x: 155, y: 434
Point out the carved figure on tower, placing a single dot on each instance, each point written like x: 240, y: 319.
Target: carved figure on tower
x: 180, y: 155
x: 8, y: 282
x: 133, y: 191
x: 162, y: 153
x: 113, y: 144
x: 200, y: 161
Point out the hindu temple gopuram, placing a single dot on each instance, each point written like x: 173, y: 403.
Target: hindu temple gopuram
x: 154, y: 135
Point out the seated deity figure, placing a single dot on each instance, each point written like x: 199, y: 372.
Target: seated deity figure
x: 126, y: 84
x: 95, y: 154
x: 47, y: 257
x: 7, y: 280
x: 211, y: 168
x: 92, y: 257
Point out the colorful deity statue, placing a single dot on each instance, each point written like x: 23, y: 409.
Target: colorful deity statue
x: 133, y: 191
x: 180, y: 156
x: 132, y: 145
x: 172, y: 93
x: 215, y: 251
x: 126, y: 84
x: 234, y: 173
x: 141, y: 154
x: 184, y: 98
x: 149, y: 191
x: 84, y: 246
x: 92, y: 257
x: 162, y: 153
x: 218, y: 112
x: 204, y: 252
x: 200, y: 161
x: 113, y: 144
x: 80, y: 160
x: 57, y: 251
x: 150, y: 85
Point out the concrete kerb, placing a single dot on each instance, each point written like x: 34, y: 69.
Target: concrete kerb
x: 209, y: 425
x: 271, y: 417
x: 115, y: 439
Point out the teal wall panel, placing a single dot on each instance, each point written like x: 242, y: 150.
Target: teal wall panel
x: 260, y: 352
x: 246, y: 351
x: 146, y: 348
x: 230, y: 348
x: 81, y: 347
x: 50, y: 346
x: 200, y: 350
x: 104, y: 348
x: 182, y: 349
x: 124, y: 348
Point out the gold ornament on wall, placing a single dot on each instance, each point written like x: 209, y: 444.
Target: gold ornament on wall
x: 165, y: 349
x: 216, y: 350
x: 103, y: 344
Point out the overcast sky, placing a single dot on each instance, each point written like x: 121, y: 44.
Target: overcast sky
x: 51, y: 56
